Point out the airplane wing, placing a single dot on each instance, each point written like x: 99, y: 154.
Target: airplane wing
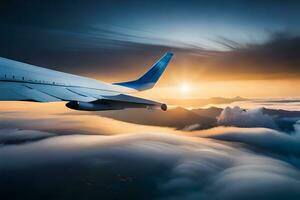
x: 24, y: 82
x: 80, y: 98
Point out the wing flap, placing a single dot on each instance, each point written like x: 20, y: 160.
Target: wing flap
x: 61, y: 93
x: 19, y: 92
x: 37, y: 95
x: 7, y: 93
x: 98, y: 94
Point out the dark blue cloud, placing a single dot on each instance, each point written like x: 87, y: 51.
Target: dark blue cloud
x: 75, y: 35
x: 192, y: 22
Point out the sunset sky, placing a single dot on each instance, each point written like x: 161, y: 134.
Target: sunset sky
x: 232, y: 88
x: 239, y: 48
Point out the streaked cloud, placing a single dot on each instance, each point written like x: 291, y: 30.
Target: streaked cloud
x: 216, y: 44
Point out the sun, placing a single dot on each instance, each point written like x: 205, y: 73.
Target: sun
x: 185, y: 88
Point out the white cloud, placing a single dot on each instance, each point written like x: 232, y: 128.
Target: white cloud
x: 245, y: 118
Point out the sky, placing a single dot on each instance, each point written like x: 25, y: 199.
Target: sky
x: 242, y: 148
x: 222, y: 48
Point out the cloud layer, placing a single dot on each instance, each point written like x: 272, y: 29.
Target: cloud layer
x: 146, y: 166
x: 92, y: 157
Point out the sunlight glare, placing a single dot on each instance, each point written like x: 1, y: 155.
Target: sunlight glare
x: 185, y: 88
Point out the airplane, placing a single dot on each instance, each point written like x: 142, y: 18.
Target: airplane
x: 24, y: 82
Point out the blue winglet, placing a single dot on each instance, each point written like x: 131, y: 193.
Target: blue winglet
x: 149, y: 79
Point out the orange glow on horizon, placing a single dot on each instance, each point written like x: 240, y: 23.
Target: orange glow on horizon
x: 228, y: 89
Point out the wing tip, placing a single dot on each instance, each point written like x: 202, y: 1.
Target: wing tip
x: 149, y: 79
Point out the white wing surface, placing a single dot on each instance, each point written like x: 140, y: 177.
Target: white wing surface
x: 24, y: 82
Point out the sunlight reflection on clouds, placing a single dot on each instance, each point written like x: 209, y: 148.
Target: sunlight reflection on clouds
x: 83, y: 155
